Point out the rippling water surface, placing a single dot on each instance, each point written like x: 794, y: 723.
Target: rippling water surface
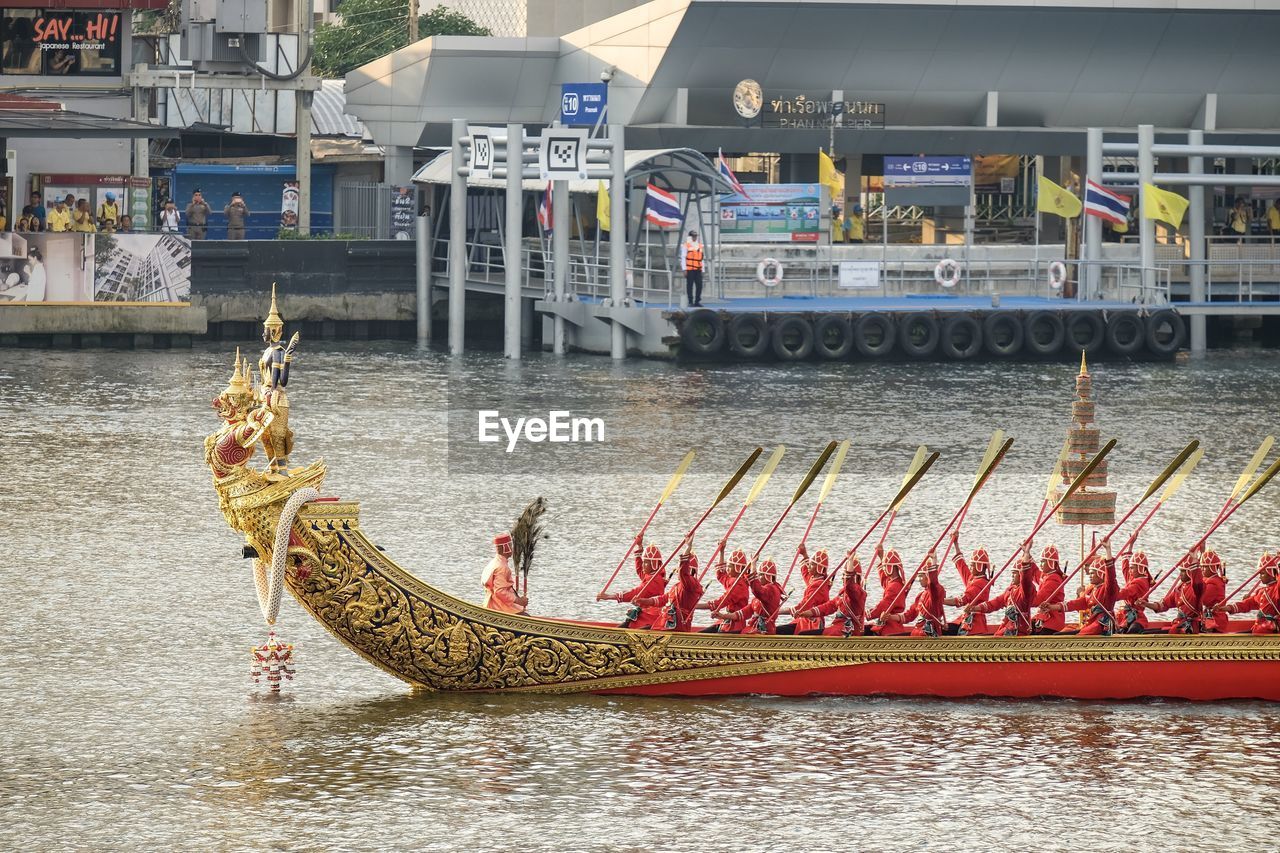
x: 128, y: 720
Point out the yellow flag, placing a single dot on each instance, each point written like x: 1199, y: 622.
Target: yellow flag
x: 602, y: 207
x: 1163, y: 205
x: 828, y: 175
x: 1054, y: 199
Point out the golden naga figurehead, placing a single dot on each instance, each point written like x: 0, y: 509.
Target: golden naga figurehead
x: 273, y: 326
x: 237, y: 398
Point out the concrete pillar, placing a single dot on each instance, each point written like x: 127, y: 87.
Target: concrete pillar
x: 560, y: 257
x: 527, y: 319
x: 1146, y: 227
x: 141, y: 160
x: 457, y: 245
x: 303, y: 158
x: 423, y: 253
x: 397, y: 165
x: 513, y: 264
x: 852, y: 181
x: 1195, y: 165
x: 617, y: 235
x: 1092, y: 224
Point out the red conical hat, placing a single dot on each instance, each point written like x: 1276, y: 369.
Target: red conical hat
x: 738, y: 559
x: 1140, y: 563
x: 1212, y: 563
x: 769, y: 568
x: 981, y: 561
x: 820, y: 561
x: 652, y: 553
x: 1050, y: 561
x: 893, y: 562
x: 502, y: 539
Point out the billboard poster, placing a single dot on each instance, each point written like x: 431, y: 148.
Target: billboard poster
x: 79, y: 268
x: 289, y: 205
x: 403, y: 202
x: 60, y: 43
x: 774, y: 213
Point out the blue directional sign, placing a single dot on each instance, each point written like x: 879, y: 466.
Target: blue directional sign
x: 582, y: 104
x: 928, y: 171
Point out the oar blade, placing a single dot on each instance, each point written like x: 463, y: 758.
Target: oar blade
x: 1086, y: 471
x: 916, y: 462
x: 993, y: 447
x: 1055, y: 478
x: 814, y: 471
x: 836, y: 464
x: 1170, y: 469
x: 911, y: 481
x: 763, y: 478
x: 677, y: 477
x: 1263, y: 479
x: 738, y: 475
x: 1179, y: 478
x: 986, y: 470
x: 1255, y: 463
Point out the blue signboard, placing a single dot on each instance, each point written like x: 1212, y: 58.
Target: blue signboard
x: 928, y: 171
x: 582, y: 104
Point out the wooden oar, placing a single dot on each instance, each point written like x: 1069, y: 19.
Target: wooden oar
x: 1247, y: 474
x: 724, y: 493
x: 983, y: 477
x: 993, y: 446
x: 1174, y: 485
x: 1263, y: 479
x: 666, y: 493
x: 827, y: 485
x: 1165, y: 476
x: 814, y: 471
x: 916, y: 461
x: 756, y: 489
x: 1055, y: 479
x: 920, y: 466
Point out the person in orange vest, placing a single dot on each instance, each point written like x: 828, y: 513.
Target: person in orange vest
x: 691, y: 262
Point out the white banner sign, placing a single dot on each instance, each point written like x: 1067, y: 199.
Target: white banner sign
x: 480, y: 161
x: 859, y: 274
x: 562, y: 154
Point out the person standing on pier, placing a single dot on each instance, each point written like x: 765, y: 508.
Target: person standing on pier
x: 691, y: 262
x: 237, y: 213
x: 499, y: 583
x: 197, y: 216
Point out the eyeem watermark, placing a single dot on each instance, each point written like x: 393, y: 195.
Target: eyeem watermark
x: 559, y: 427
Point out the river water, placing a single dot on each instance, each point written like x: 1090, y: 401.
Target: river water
x: 128, y: 719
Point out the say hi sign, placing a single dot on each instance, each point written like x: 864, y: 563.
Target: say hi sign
x: 562, y: 154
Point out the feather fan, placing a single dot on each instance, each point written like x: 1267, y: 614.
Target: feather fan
x: 528, y: 530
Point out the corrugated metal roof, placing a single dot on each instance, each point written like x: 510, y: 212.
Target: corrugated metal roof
x: 329, y: 115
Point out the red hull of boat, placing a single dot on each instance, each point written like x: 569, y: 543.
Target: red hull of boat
x: 1194, y: 680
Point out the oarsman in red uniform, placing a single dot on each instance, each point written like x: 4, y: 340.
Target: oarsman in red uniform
x: 1048, y: 592
x: 1099, y: 599
x: 848, y: 609
x: 736, y: 595
x: 1131, y: 618
x: 1214, y: 593
x: 1265, y: 599
x: 1015, y: 600
x: 975, y: 573
x: 1184, y: 597
x: 653, y: 584
x: 766, y: 598
x: 817, y: 592
x: 893, y: 598
x: 679, y: 602
x: 928, y: 611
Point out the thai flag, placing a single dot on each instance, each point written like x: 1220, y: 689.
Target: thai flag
x: 660, y: 207
x: 544, y: 210
x: 728, y: 175
x: 1105, y: 204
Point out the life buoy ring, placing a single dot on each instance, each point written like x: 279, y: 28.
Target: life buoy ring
x: 1057, y: 275
x: 947, y: 273
x: 769, y: 272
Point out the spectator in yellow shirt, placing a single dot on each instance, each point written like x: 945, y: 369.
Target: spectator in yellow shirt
x: 82, y: 217
x: 1273, y: 219
x: 108, y: 213
x: 60, y: 217
x: 855, y: 226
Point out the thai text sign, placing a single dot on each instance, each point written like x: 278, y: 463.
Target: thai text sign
x: 60, y: 42
x: 927, y: 171
x: 774, y: 213
x: 582, y: 104
x: 403, y: 209
x: 803, y: 111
